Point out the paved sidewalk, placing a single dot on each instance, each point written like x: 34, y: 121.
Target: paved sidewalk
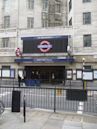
x: 40, y: 119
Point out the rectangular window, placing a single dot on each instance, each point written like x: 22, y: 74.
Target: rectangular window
x: 87, y: 18
x: 5, y: 42
x: 58, y: 7
x: 87, y: 40
x: 44, y: 19
x: 6, y: 21
x: 6, y: 5
x: 70, y: 5
x: 30, y: 4
x: 85, y: 1
x: 45, y: 5
x: 52, y: 13
x: 30, y: 22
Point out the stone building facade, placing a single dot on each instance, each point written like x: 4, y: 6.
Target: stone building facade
x: 24, y: 20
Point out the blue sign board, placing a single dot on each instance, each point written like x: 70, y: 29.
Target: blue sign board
x: 45, y: 60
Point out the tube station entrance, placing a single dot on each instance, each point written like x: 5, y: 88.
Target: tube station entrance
x: 46, y: 74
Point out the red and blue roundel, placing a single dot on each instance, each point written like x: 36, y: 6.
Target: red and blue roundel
x: 44, y: 46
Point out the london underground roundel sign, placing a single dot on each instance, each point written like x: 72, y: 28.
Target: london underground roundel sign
x: 44, y: 46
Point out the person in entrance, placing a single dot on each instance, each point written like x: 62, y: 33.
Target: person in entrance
x: 53, y: 78
x: 37, y: 78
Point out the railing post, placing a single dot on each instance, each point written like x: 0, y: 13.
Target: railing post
x: 85, y: 85
x: 55, y: 99
x: 24, y: 109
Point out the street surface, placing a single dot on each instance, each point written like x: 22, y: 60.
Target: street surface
x: 40, y: 119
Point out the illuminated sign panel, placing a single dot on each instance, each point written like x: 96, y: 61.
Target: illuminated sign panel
x: 52, y: 44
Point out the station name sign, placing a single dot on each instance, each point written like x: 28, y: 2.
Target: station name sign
x: 43, y: 60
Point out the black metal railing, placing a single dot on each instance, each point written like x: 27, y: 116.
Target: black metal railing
x: 50, y: 98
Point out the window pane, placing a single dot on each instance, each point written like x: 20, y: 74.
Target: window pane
x: 87, y: 40
x: 45, y: 5
x: 6, y: 21
x: 30, y: 22
x: 6, y: 5
x: 5, y: 42
x: 45, y: 19
x: 52, y: 13
x: 30, y: 4
x: 58, y: 7
x: 87, y: 18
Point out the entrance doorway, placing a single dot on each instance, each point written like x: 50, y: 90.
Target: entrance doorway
x: 46, y: 74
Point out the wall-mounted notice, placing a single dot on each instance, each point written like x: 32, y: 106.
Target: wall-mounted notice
x: 69, y: 74
x: 5, y: 73
x: 12, y: 73
x: 79, y: 74
x: 95, y: 74
x: 88, y: 75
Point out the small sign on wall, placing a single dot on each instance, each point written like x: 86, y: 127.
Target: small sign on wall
x: 74, y: 74
x: 5, y: 73
x: 69, y: 74
x: 79, y: 74
x: 12, y: 73
x: 88, y: 75
x: 95, y: 74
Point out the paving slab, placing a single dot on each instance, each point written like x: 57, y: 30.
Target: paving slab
x: 53, y: 124
x: 44, y: 119
x: 90, y: 119
x: 71, y: 127
x: 89, y: 126
x: 57, y: 116
x: 72, y: 123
